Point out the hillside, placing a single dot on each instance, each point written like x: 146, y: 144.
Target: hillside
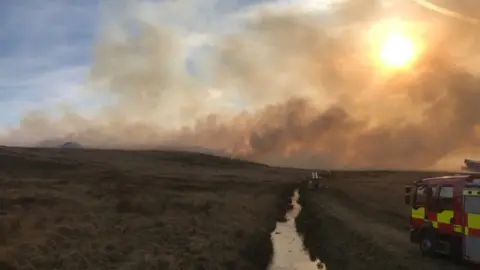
x: 111, y: 209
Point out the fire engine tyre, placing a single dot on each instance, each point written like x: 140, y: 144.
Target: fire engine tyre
x: 428, y: 243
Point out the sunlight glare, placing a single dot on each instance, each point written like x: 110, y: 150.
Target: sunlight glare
x: 394, y: 46
x: 397, y: 50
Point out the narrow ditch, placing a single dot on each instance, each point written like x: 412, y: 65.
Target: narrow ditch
x: 312, y: 229
x: 288, y: 248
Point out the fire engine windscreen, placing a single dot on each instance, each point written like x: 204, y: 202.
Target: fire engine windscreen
x: 446, y: 198
x: 360, y: 83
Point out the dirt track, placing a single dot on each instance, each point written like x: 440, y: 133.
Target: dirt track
x: 360, y: 222
x: 89, y: 209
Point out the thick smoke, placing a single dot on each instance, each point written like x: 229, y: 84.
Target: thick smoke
x: 310, y: 93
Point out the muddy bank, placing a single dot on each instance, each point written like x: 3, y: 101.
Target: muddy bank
x: 335, y: 243
x: 260, y: 249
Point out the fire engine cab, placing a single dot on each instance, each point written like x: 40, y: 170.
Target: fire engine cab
x: 445, y: 216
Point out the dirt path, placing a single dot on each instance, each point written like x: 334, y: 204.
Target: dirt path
x: 346, y: 239
x: 388, y: 237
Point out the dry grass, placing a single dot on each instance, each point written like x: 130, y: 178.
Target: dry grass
x: 91, y: 209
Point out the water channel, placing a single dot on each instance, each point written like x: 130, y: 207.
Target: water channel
x: 289, y: 252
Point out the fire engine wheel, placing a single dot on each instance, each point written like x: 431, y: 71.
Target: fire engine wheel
x: 428, y: 244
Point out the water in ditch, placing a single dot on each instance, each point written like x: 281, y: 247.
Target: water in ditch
x: 288, y: 249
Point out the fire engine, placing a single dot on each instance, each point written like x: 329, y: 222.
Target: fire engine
x: 445, y: 216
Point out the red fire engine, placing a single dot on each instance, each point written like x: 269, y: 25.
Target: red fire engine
x: 445, y: 216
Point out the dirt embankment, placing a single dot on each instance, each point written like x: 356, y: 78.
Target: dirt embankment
x: 359, y: 222
x: 91, y: 209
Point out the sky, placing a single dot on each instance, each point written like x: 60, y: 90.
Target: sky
x: 46, y: 50
x: 46, y: 47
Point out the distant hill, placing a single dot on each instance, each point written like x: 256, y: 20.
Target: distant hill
x: 62, y: 143
x: 71, y: 145
x: 192, y: 148
x: 58, y: 143
x: 50, y: 143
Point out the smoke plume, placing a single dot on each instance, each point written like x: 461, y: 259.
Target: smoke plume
x: 277, y: 85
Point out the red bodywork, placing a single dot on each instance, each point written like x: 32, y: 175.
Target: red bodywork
x: 450, y: 224
x: 458, y: 182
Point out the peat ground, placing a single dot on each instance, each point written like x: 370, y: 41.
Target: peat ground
x: 111, y: 209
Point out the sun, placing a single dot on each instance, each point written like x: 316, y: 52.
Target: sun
x: 394, y: 44
x: 397, y: 50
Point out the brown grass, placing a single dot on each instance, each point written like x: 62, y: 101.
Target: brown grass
x: 93, y: 209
